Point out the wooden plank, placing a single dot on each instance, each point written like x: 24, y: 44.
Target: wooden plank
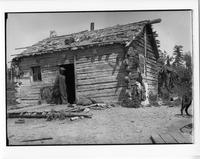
x: 152, y: 76
x: 149, y: 49
x: 29, y: 98
x: 97, y: 58
x: 151, y: 60
x: 156, y: 139
x: 145, y: 50
x: 152, y: 68
x: 75, y: 76
x: 152, y: 72
x: 59, y: 58
x: 100, y: 86
x: 107, y: 99
x: 116, y: 75
x: 108, y: 91
x: 104, y: 50
x: 179, y: 138
x: 152, y: 64
x: 102, y: 72
x: 98, y: 80
x: 93, y: 64
x: 48, y: 71
x: 100, y: 63
x: 168, y: 139
x: 98, y: 67
x: 88, y: 71
x: 47, y: 60
x: 103, y: 96
x: 141, y: 41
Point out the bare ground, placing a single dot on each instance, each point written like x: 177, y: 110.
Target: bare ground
x: 117, y: 125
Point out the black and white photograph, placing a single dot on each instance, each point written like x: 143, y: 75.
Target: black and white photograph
x: 99, y: 78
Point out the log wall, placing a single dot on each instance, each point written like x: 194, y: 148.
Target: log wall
x: 29, y: 91
x: 100, y: 73
x: 151, y: 69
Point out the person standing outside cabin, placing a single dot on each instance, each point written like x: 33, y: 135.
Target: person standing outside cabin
x: 60, y: 88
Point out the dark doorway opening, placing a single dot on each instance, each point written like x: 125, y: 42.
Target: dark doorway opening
x: 70, y: 82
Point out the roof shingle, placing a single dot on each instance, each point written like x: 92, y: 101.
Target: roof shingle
x: 110, y: 35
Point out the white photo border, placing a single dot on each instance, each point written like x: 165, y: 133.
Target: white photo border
x: 105, y: 151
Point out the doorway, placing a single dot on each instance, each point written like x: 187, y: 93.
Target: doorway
x: 70, y: 82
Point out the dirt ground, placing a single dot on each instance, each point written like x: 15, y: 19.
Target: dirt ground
x: 117, y: 125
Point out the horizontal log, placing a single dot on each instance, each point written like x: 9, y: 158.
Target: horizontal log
x: 152, y: 76
x: 30, y: 98
x: 112, y: 49
x: 110, y: 61
x: 150, y: 50
x: 98, y: 67
x: 109, y: 99
x: 109, y: 71
x: 101, y: 62
x: 152, y: 73
x: 102, y: 75
x: 151, y: 60
x: 152, y: 67
x: 100, y: 86
x: 29, y: 95
x: 98, y: 80
x: 49, y: 70
x: 35, y: 86
x: 95, y: 93
x: 151, y: 80
x: 46, y: 61
x: 88, y: 71
x: 154, y: 21
x: 97, y: 58
x: 148, y: 40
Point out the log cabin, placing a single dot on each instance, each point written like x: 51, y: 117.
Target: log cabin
x: 97, y: 62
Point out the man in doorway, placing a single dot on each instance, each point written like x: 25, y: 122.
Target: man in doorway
x: 60, y: 88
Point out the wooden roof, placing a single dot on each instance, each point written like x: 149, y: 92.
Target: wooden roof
x: 122, y: 34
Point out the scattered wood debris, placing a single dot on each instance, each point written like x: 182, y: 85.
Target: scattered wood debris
x: 73, y: 113
x: 62, y: 115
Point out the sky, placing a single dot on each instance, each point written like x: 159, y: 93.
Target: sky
x: 28, y: 28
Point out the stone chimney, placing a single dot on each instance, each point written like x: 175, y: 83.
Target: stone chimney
x: 92, y: 26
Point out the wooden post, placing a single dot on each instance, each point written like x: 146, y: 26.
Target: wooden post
x: 75, y: 77
x: 145, y: 51
x: 11, y: 75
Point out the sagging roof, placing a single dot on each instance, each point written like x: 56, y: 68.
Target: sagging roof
x: 123, y: 34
